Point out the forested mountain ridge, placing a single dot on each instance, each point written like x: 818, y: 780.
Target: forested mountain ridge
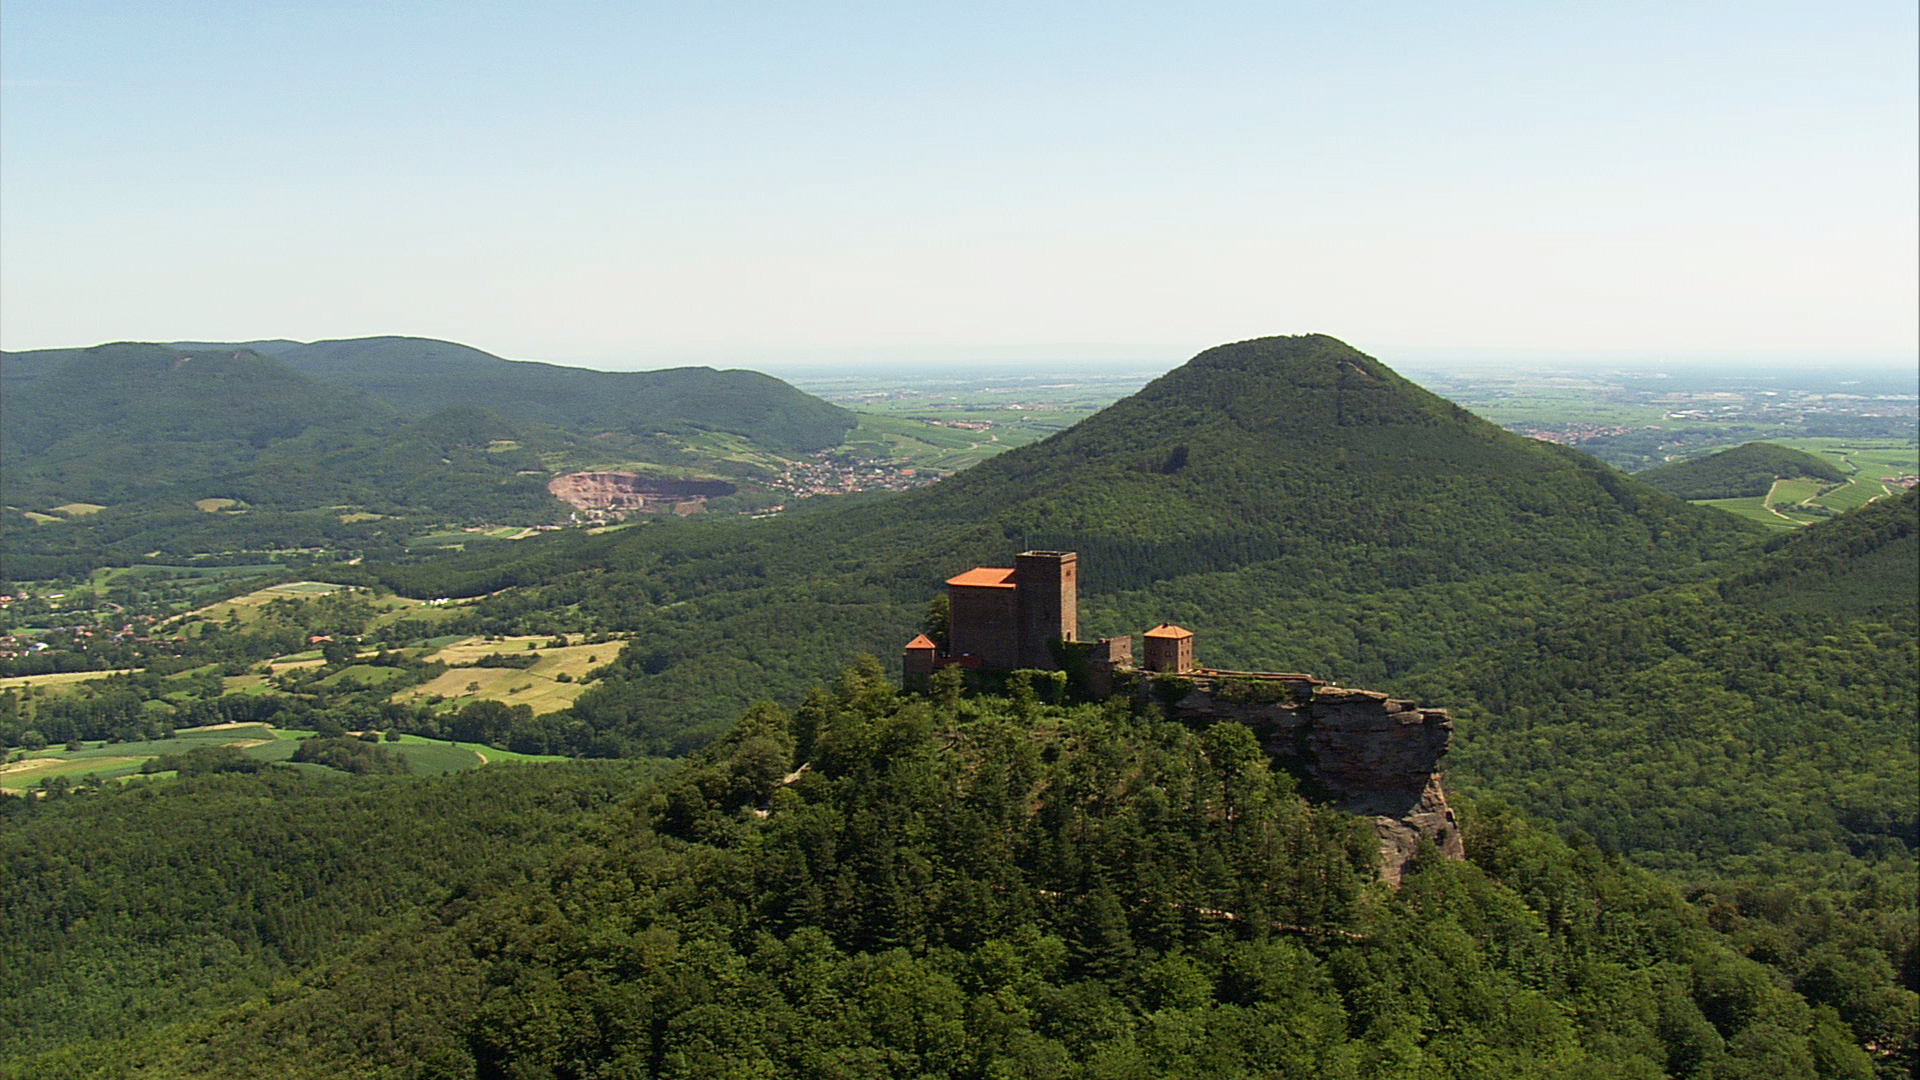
x: 1753, y: 737
x: 114, y: 422
x: 958, y: 887
x: 1293, y: 501
x: 419, y: 376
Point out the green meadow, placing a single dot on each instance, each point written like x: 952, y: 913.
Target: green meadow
x: 118, y: 761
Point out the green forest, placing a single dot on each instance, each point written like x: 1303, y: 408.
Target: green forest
x: 956, y: 886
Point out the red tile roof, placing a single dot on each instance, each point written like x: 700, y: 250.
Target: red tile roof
x: 1168, y: 630
x: 922, y: 642
x: 986, y: 577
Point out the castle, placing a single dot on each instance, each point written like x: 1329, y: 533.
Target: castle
x: 1027, y: 616
x: 1371, y: 754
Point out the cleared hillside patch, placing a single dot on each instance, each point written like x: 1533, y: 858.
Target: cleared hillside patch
x: 114, y: 761
x: 1754, y: 509
x: 61, y: 679
x: 538, y: 686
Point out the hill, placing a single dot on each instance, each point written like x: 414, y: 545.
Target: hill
x: 968, y: 888
x: 115, y: 422
x: 1742, y: 472
x: 419, y: 376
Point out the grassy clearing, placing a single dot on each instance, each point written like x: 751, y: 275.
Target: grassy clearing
x: 115, y: 761
x: 247, y: 608
x: 537, y: 687
x: 361, y: 675
x: 65, y: 678
x: 246, y: 684
x: 78, y: 509
x: 304, y: 588
x: 1753, y: 509
x: 1854, y: 494
x: 1787, y: 493
x: 39, y: 518
x: 214, y: 505
x: 22, y: 776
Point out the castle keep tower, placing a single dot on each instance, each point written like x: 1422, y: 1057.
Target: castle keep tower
x: 1006, y: 618
x: 1047, y: 602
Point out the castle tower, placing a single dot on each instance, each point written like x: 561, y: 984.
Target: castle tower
x: 1169, y: 649
x: 1047, y: 600
x: 917, y: 663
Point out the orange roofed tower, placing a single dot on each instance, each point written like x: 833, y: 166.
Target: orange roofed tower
x: 1169, y: 649
x: 1007, y: 618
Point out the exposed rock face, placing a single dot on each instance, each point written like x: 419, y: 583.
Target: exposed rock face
x: 631, y: 491
x: 1374, y: 755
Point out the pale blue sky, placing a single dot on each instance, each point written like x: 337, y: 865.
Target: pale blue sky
x: 607, y: 182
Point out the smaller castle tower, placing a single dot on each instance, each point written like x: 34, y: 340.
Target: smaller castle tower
x: 1169, y: 649
x: 917, y: 662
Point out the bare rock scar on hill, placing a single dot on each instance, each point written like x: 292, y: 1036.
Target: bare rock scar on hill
x: 626, y: 491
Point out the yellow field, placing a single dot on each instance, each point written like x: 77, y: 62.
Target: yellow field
x: 39, y: 518
x: 78, y: 509
x: 534, y: 686
x: 63, y: 679
x: 212, y: 505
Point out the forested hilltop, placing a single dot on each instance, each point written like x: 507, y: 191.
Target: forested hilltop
x: 872, y: 885
x: 1743, y: 471
x: 421, y: 376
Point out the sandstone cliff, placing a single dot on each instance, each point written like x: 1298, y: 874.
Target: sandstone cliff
x: 1371, y: 754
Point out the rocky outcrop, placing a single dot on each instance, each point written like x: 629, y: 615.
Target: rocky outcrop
x: 631, y: 491
x: 1369, y: 753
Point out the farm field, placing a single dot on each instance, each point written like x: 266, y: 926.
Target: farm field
x: 1753, y: 509
x: 65, y: 678
x: 361, y: 675
x: 114, y: 761
x: 118, y: 761
x: 537, y: 686
x: 1871, y: 461
x: 246, y: 607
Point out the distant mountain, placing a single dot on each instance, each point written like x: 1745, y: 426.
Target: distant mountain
x: 1278, y: 447
x: 1742, y: 472
x: 364, y: 442
x: 419, y: 376
x: 119, y: 422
